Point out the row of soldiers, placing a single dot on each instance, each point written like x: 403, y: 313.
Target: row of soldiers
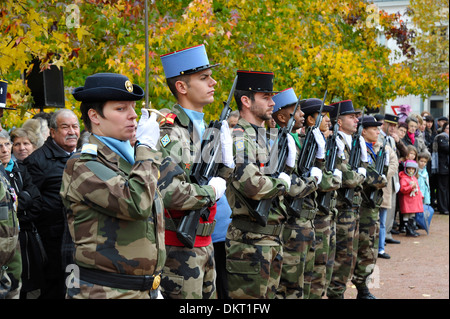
x: 126, y: 205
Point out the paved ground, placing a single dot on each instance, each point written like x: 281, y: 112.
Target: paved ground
x: 418, y: 268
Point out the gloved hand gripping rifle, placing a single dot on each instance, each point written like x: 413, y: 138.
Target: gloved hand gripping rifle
x: 261, y: 212
x: 354, y: 161
x: 202, y: 172
x: 306, y: 159
x: 324, y: 199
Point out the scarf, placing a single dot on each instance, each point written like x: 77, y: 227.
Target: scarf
x: 10, y: 166
x: 122, y: 148
x: 197, y: 120
x: 412, y: 137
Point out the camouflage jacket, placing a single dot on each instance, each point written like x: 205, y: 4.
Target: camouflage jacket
x: 179, y: 144
x: 250, y: 182
x: 9, y: 224
x: 374, y: 181
x: 116, y: 212
x: 303, y: 187
x: 350, y: 178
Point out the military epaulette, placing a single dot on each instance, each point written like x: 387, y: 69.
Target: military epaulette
x: 169, y: 119
x: 89, y: 149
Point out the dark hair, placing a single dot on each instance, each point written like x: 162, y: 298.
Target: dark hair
x: 171, y: 83
x: 444, y: 126
x: 85, y: 107
x: 240, y: 93
x: 403, y: 124
x: 423, y: 155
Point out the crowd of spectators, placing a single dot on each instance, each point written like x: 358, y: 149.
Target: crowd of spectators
x: 34, y: 156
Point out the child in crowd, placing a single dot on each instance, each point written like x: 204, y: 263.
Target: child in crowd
x: 424, y: 181
x: 411, y: 156
x: 410, y: 197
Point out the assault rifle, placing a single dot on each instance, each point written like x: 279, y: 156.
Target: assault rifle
x: 202, y: 172
x: 306, y: 159
x: 354, y: 161
x: 379, y: 167
x: 278, y: 155
x: 324, y: 199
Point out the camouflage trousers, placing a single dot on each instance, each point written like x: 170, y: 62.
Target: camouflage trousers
x: 10, y: 276
x: 316, y: 268
x: 189, y: 273
x: 345, y: 253
x: 298, y: 240
x: 332, y: 252
x: 253, y: 264
x: 80, y: 289
x: 369, y: 230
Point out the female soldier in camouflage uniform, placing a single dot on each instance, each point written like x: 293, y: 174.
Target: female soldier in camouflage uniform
x: 116, y: 213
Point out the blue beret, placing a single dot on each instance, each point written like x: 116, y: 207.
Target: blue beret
x: 284, y: 98
x: 186, y: 61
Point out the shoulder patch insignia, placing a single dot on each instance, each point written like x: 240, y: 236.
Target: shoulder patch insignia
x: 89, y: 149
x: 239, y: 145
x: 165, y: 140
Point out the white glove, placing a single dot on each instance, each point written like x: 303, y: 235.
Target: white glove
x: 337, y: 173
x: 320, y: 140
x: 292, y: 153
x: 362, y: 171
x: 340, y: 145
x: 219, y: 185
x: 227, y: 145
x: 148, y: 129
x: 316, y: 172
x: 362, y: 143
x: 285, y: 177
x: 386, y: 161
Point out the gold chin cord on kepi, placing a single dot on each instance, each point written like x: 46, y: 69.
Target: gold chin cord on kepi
x: 161, y: 117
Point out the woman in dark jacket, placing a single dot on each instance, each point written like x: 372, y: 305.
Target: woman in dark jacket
x: 442, y: 190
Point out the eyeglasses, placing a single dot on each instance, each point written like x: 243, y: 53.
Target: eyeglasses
x: 7, y: 144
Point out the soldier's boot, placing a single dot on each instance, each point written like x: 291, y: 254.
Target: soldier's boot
x: 410, y: 232
x: 364, y: 293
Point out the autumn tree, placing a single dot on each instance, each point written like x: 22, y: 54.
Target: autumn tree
x: 310, y: 45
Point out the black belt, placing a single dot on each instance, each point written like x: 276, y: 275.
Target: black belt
x: 120, y: 281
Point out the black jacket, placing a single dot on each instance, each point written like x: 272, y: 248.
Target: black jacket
x: 46, y: 166
x: 29, y: 197
x: 442, y: 143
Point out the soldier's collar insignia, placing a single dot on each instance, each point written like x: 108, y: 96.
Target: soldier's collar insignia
x: 165, y: 140
x: 129, y: 86
x: 89, y: 149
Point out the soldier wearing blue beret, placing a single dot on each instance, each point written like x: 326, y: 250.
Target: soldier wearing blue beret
x: 190, y: 272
